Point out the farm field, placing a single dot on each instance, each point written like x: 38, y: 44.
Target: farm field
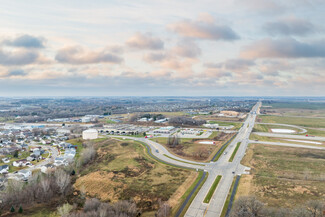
x: 191, y: 149
x: 283, y: 176
x: 299, y: 121
x: 123, y: 170
x: 303, y: 109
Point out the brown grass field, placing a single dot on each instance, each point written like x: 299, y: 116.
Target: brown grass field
x: 283, y: 176
x: 123, y: 171
x: 191, y: 149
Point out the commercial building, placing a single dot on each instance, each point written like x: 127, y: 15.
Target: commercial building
x: 90, y: 134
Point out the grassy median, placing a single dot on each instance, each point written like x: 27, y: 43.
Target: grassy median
x: 212, y: 189
x: 225, y: 206
x: 234, y: 153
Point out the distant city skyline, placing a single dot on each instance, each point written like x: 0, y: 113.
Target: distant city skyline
x: 162, y: 48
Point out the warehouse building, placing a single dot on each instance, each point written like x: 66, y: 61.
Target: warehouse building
x: 90, y: 134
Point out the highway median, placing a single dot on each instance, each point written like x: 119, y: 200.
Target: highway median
x: 212, y: 189
x: 234, y: 152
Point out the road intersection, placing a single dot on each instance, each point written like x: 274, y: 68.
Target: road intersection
x: 228, y: 170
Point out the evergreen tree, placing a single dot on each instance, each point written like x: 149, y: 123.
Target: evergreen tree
x: 12, y: 209
x: 20, y: 209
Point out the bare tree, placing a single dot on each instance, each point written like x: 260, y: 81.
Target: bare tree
x: 62, y: 180
x: 65, y: 209
x: 164, y: 209
x: 173, y: 140
x: 247, y: 207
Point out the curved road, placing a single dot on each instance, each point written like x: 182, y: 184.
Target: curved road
x: 228, y: 170
x: 293, y: 136
x: 303, y: 130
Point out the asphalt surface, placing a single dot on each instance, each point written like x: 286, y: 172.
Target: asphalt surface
x: 53, y: 153
x: 180, y: 210
x: 228, y: 170
x: 302, y: 130
x: 288, y: 136
x: 288, y: 145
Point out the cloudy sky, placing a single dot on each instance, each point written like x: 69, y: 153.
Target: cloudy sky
x: 162, y: 47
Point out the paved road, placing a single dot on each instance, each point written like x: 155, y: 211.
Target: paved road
x: 302, y: 130
x: 288, y: 136
x: 288, y: 145
x: 228, y: 170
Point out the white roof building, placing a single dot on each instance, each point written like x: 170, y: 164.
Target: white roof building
x: 90, y: 134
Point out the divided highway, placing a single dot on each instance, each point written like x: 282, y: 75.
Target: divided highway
x: 228, y: 170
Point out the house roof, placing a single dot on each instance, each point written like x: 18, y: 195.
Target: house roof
x: 4, y: 167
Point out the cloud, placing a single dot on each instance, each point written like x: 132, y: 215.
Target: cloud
x: 203, y: 29
x: 265, y: 7
x: 216, y: 73
x: 16, y: 72
x: 232, y: 64
x: 187, y: 48
x: 154, y: 57
x: 145, y: 41
x: 290, y: 26
x: 20, y: 57
x: 283, y: 48
x: 79, y: 55
x: 26, y: 41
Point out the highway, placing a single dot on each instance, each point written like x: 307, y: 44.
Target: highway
x: 228, y: 170
x: 287, y: 136
x: 302, y: 130
x: 288, y: 145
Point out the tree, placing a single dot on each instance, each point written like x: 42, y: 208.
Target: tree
x: 247, y: 207
x: 12, y: 209
x: 144, y: 134
x: 15, y: 154
x: 164, y: 209
x: 20, y: 209
x: 62, y: 180
x: 64, y: 209
x: 173, y: 140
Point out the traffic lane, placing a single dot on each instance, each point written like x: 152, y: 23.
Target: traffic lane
x: 288, y: 145
x: 318, y: 138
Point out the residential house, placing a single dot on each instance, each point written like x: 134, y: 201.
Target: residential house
x: 4, y: 169
x: 21, y: 163
x: 46, y: 168
x: 25, y: 173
